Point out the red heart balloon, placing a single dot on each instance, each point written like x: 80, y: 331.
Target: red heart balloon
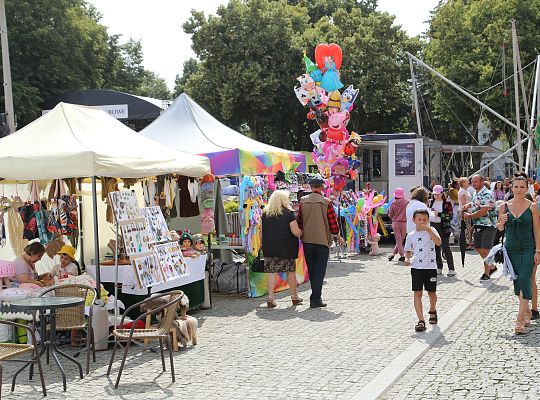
x: 328, y: 50
x: 320, y: 52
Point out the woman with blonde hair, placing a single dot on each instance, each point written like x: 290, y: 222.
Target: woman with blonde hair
x: 280, y: 233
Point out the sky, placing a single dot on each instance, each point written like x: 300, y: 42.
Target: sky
x: 158, y: 24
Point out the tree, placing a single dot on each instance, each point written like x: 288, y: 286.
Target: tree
x: 466, y: 40
x: 251, y: 52
x: 59, y: 45
x: 190, y: 67
x: 54, y: 45
x: 153, y: 86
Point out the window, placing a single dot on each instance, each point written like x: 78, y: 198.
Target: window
x: 377, y: 163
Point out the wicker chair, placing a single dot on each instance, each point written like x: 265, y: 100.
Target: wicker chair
x: 74, y: 318
x: 10, y: 350
x: 161, y: 332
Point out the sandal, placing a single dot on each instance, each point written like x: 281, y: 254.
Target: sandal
x: 433, y: 317
x: 270, y: 303
x: 519, y: 329
x: 420, y: 326
x: 296, y: 300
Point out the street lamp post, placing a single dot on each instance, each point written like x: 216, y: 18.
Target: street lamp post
x: 6, y: 70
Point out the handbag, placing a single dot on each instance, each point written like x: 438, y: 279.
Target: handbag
x: 257, y: 265
x: 499, y: 255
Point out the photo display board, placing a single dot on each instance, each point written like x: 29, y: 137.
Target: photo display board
x: 157, y: 226
x: 172, y: 261
x: 148, y: 270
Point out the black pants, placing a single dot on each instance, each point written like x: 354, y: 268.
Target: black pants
x: 445, y: 247
x: 316, y: 260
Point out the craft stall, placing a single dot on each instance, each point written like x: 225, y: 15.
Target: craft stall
x: 73, y: 143
x: 231, y: 154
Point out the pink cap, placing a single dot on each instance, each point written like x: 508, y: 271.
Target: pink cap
x: 399, y: 193
x: 437, y: 189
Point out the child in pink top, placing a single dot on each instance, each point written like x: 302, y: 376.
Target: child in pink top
x: 397, y: 213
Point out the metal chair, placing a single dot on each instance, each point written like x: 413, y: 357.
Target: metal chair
x: 161, y: 332
x: 9, y: 350
x: 74, y: 318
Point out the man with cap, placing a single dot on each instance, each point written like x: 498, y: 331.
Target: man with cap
x: 319, y: 224
x: 398, y: 214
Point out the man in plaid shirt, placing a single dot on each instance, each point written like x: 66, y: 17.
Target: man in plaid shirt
x: 319, y: 224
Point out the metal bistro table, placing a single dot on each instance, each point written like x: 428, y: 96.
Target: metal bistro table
x: 42, y: 304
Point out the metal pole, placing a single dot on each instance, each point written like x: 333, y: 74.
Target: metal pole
x: 415, y: 98
x: 501, y: 155
x: 464, y: 92
x: 516, y: 93
x: 81, y: 229
x: 6, y: 70
x: 96, y: 236
x: 530, y: 147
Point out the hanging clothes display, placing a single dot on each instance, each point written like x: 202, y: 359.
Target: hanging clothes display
x: 108, y: 185
x: 4, y: 206
x: 188, y: 207
x: 149, y: 191
x: 15, y: 226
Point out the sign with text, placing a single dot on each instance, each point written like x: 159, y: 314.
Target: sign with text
x: 118, y: 111
x: 405, y: 159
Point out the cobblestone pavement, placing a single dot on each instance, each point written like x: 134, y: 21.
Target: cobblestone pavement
x: 246, y: 351
x: 479, y: 357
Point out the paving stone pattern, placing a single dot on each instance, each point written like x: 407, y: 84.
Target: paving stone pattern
x: 479, y: 357
x: 246, y: 351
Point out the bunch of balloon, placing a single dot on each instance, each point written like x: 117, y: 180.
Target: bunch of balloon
x: 335, y: 148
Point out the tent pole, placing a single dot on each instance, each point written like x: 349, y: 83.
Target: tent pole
x: 96, y: 236
x: 81, y: 230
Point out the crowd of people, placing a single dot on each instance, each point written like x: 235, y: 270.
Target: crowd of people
x: 488, y: 215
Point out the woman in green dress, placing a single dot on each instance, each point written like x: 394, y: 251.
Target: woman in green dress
x: 519, y: 218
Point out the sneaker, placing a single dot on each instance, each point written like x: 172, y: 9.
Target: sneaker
x: 535, y: 315
x: 484, y: 277
x: 452, y: 273
x: 391, y: 257
x: 317, y: 305
x: 402, y: 258
x: 439, y: 271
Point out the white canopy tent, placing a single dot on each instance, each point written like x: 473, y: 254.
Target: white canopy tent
x: 186, y: 125
x: 74, y: 141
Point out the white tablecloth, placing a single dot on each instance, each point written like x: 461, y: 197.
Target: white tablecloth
x: 130, y: 285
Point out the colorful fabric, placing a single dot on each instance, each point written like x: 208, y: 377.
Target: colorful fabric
x: 257, y: 280
x: 238, y: 161
x: 481, y: 199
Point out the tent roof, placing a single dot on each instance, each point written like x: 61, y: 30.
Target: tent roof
x: 186, y: 125
x: 138, y: 107
x: 78, y: 141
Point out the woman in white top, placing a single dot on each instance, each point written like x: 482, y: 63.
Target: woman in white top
x: 419, y: 200
x: 465, y: 197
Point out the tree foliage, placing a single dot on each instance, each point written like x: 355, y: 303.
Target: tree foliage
x: 59, y: 45
x: 466, y: 40
x: 190, y: 67
x: 251, y: 52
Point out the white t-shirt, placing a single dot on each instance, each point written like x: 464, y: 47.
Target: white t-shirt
x: 467, y: 194
x: 437, y: 206
x: 423, y: 249
x: 409, y: 211
x: 71, y: 269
